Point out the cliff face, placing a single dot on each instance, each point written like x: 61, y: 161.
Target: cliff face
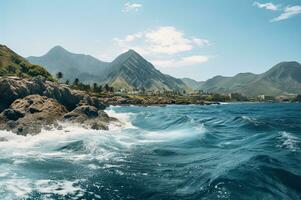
x: 28, y: 105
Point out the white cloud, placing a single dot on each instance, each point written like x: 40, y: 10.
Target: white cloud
x: 200, y: 42
x: 288, y: 12
x: 181, y: 62
x: 162, y: 40
x: 268, y: 6
x: 132, y: 7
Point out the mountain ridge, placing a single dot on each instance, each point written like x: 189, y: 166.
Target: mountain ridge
x: 128, y: 71
x: 282, y: 79
x: 72, y: 65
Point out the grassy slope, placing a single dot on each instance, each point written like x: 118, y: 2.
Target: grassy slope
x: 11, y: 64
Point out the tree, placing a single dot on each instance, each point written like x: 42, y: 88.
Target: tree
x: 99, y: 89
x: 23, y: 67
x: 11, y: 69
x: 95, y: 87
x: 76, y: 81
x: 59, y: 75
x: 107, y: 87
x: 67, y: 82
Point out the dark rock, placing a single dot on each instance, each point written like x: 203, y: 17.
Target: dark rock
x: 90, y: 117
x: 12, y: 114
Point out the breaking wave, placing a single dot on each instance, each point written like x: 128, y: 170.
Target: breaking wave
x: 228, y: 151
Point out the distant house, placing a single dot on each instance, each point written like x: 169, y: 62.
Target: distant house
x: 265, y: 98
x: 261, y: 97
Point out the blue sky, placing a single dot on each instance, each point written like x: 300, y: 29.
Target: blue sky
x: 193, y: 38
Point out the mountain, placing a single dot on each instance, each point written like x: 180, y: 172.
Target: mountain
x: 84, y: 67
x: 193, y: 84
x: 282, y: 79
x: 15, y: 65
x: 129, y: 70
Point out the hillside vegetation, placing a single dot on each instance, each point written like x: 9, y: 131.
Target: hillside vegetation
x: 11, y: 64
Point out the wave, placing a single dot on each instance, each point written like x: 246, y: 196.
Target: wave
x: 27, y: 188
x: 123, y: 118
x: 175, y: 152
x: 289, y: 141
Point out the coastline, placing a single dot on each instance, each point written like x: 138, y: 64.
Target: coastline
x: 46, y: 103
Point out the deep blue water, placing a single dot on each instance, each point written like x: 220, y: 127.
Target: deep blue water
x: 230, y: 151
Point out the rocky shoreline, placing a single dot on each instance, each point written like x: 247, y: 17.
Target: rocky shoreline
x: 152, y: 100
x: 29, y: 105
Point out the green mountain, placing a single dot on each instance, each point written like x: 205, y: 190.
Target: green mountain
x: 282, y: 79
x: 11, y: 64
x: 193, y: 84
x: 129, y: 70
x: 84, y: 67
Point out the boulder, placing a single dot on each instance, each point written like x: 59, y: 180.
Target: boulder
x: 30, y: 114
x: 89, y: 117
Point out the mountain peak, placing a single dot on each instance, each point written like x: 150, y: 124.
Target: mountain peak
x: 57, y: 50
x: 132, y: 52
x: 128, y: 55
x: 285, y: 67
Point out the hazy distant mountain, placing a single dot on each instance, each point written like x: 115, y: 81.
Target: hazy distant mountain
x: 84, y: 67
x: 282, y: 79
x: 15, y: 65
x: 193, y: 84
x: 129, y: 70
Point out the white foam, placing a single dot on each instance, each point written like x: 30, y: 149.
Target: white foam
x: 163, y: 136
x: 289, y: 141
x: 62, y: 187
x: 124, y: 119
x: 21, y: 188
x: 95, y: 145
x: 15, y: 188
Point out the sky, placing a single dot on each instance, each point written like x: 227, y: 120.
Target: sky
x: 198, y: 39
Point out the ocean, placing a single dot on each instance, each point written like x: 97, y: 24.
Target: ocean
x: 228, y: 151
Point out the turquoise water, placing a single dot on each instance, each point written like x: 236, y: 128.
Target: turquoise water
x: 229, y: 151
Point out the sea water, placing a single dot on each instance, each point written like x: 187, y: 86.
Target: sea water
x: 228, y: 151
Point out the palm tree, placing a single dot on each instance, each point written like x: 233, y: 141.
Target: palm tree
x: 95, y: 87
x: 59, y: 75
x: 76, y: 81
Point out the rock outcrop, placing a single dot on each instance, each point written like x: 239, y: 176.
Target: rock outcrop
x: 29, y: 105
x: 30, y: 114
x: 89, y: 117
x: 15, y: 88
